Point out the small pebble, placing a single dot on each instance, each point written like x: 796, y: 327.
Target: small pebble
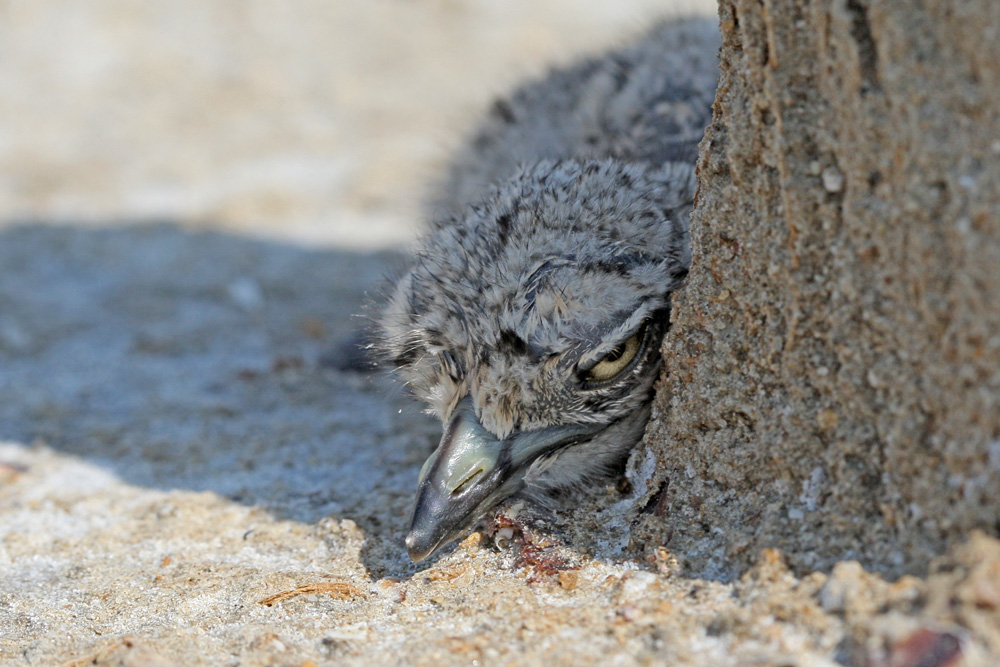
x: 827, y: 419
x: 568, y: 580
x: 833, y: 180
x: 472, y: 541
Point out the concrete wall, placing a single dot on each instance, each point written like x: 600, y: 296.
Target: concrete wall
x: 832, y: 382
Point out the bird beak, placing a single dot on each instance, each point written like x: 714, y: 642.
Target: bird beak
x: 472, y: 471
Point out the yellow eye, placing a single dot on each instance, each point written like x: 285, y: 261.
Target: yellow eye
x: 618, y: 359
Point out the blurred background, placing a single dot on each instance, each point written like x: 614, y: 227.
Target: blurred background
x: 317, y: 122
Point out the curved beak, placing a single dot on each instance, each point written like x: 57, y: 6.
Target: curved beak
x: 472, y: 471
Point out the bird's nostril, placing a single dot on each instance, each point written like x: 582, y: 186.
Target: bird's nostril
x: 472, y: 478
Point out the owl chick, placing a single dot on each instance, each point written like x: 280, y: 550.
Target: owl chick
x: 531, y: 318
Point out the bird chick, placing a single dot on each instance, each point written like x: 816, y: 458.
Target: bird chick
x: 531, y: 319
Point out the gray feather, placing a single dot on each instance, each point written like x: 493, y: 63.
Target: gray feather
x: 560, y: 230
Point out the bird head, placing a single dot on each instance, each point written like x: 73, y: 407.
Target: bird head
x: 531, y: 326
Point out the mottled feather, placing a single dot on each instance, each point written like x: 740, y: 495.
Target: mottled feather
x: 560, y: 230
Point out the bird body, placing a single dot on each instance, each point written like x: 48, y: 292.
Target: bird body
x: 531, y: 317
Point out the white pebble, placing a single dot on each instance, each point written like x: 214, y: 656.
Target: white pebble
x: 833, y: 180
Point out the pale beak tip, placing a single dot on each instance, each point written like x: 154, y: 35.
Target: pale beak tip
x: 417, y: 548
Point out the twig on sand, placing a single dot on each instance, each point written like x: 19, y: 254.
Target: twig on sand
x: 334, y: 589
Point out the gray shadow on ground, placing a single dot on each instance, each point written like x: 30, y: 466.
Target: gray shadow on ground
x: 205, y: 361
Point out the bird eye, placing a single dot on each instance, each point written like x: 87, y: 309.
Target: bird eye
x: 618, y: 359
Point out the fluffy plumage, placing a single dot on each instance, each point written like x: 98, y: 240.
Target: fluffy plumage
x: 557, y: 239
x: 536, y: 280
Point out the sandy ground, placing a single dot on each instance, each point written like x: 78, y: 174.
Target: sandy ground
x: 181, y: 437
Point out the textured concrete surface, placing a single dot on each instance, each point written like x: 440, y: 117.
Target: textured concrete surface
x: 190, y: 473
x: 834, y: 377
